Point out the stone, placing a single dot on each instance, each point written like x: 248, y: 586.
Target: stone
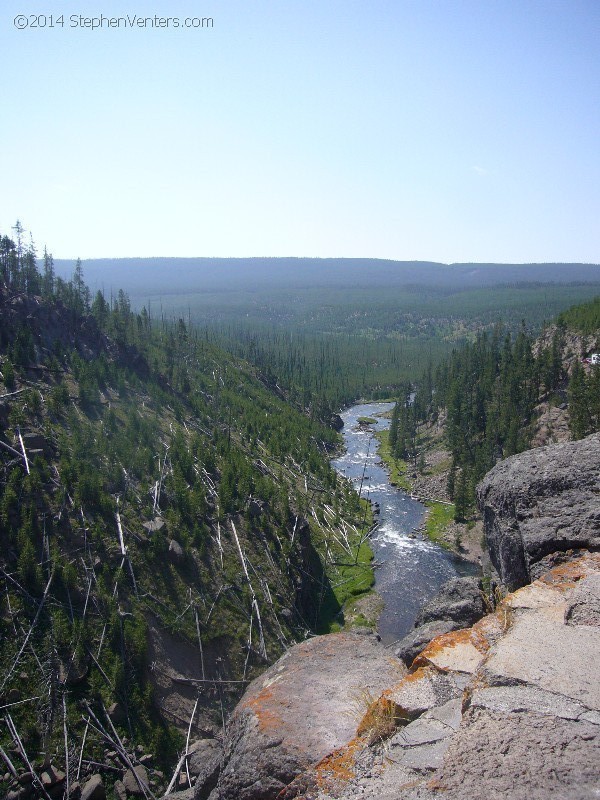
x: 117, y: 715
x: 175, y: 551
x: 454, y: 652
x: 120, y: 791
x: 182, y: 781
x: 19, y: 794
x: 204, y: 764
x: 539, y: 502
x: 415, y: 642
x: 52, y: 777
x: 583, y: 606
x: 460, y: 601
x: 422, y: 690
x: 528, y: 698
x: 154, y: 525
x: 540, y: 650
x: 186, y: 794
x: 75, y: 791
x: 94, y: 789
x: 303, y: 707
x: 132, y: 786
x: 430, y: 727
x: 520, y: 756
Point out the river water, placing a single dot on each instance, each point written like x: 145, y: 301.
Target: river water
x: 409, y: 570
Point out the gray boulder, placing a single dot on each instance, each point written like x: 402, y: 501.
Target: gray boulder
x: 540, y: 502
x: 94, y: 789
x: 175, y: 552
x: 303, y: 707
x: 132, y: 783
x: 459, y: 604
x: 417, y: 640
x: 459, y: 601
x: 583, y: 607
x: 520, y: 756
x: 204, y: 763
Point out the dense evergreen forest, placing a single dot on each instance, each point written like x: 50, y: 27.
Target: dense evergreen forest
x: 584, y: 317
x: 334, y: 330
x: 164, y: 511
x: 488, y: 396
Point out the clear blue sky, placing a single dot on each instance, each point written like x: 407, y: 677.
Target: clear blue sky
x: 446, y: 130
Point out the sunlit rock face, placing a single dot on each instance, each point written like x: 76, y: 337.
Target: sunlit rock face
x: 303, y: 707
x: 538, y: 503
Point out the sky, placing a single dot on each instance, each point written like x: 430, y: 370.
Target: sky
x: 442, y: 130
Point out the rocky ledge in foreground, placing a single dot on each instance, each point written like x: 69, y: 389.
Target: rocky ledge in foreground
x: 538, y: 503
x: 509, y: 708
x: 303, y: 707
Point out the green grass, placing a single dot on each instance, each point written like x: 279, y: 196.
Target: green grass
x: 352, y: 578
x: 396, y: 467
x: 439, y: 517
x: 366, y: 421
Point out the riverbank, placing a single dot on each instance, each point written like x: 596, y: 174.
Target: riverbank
x: 349, y: 600
x: 429, y: 485
x: 408, y: 569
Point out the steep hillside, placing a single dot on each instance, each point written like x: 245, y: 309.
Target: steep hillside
x: 496, y: 396
x: 169, y: 524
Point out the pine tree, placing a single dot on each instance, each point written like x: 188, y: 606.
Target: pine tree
x: 461, y: 499
x: 48, y: 276
x: 580, y: 417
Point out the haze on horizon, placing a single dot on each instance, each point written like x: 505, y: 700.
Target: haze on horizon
x: 443, y: 131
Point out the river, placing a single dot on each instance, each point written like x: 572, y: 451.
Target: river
x: 409, y: 570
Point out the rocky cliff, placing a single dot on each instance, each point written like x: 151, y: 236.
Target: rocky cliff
x: 506, y: 708
x: 540, y: 503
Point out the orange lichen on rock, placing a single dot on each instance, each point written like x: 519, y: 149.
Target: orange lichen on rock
x: 441, y: 646
x: 262, y: 707
x: 566, y: 576
x: 338, y: 767
x: 416, y: 674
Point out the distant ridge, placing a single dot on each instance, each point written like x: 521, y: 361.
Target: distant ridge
x: 175, y: 275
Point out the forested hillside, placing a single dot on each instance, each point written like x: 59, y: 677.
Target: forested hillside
x: 169, y: 522
x: 499, y: 395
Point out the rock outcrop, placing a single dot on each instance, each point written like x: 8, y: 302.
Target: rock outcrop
x: 459, y: 604
x: 417, y: 640
x: 303, y: 707
x: 540, y: 502
x: 509, y: 708
x: 460, y: 601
